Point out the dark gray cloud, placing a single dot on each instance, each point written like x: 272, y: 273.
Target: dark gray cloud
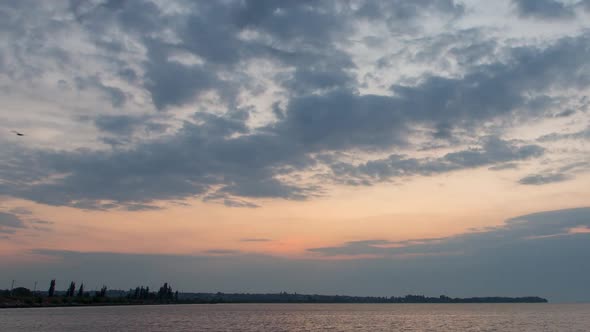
x: 505, y: 166
x: 521, y: 70
x: 9, y: 223
x: 575, y: 166
x: 343, y: 119
x: 492, y: 151
x: 544, y: 9
x: 174, y: 84
x: 227, y: 200
x: 541, y: 179
x: 189, y: 163
x: 116, y: 95
x: 466, y: 47
x: 42, y: 222
x: 583, y: 134
x: 565, y: 113
x: 117, y: 124
x: 141, y: 207
x: 120, y: 130
x: 21, y: 211
x: 203, y: 156
x: 401, y: 15
x: 298, y: 34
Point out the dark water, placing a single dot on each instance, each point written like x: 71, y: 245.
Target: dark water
x: 303, y: 317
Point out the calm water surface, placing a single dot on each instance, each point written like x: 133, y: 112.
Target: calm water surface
x: 303, y: 317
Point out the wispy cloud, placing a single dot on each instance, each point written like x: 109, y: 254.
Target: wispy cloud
x: 221, y: 252
x: 255, y: 239
x: 10, y: 221
x: 541, y: 179
x: 516, y: 231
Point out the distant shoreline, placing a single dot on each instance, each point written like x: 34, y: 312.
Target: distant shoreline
x: 252, y: 303
x: 243, y: 298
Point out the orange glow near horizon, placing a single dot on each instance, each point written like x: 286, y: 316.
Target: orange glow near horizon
x: 288, y: 229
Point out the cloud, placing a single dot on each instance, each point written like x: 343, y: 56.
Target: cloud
x: 541, y: 179
x: 9, y: 223
x: 117, y: 124
x: 565, y: 113
x: 492, y: 151
x: 238, y: 203
x: 222, y: 252
x: 21, y: 211
x: 42, y: 222
x: 516, y: 231
x: 214, y: 58
x: 116, y: 95
x: 505, y: 166
x: 10, y: 220
x: 173, y: 84
x: 247, y: 165
x: 255, y: 239
x: 345, y: 119
x: 141, y: 207
x: 226, y: 199
x: 193, y: 162
x: 544, y: 9
x: 582, y: 134
x: 211, y: 32
x: 401, y: 15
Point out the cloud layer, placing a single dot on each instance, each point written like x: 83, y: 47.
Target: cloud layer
x: 237, y: 101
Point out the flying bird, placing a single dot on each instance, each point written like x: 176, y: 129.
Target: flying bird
x: 17, y: 133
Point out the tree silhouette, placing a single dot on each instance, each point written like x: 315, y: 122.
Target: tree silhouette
x: 51, y: 291
x: 103, y: 291
x: 162, y: 291
x: 165, y: 292
x: 81, y: 290
x: 71, y: 290
x: 21, y: 291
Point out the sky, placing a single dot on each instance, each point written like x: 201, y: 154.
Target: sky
x: 335, y: 147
